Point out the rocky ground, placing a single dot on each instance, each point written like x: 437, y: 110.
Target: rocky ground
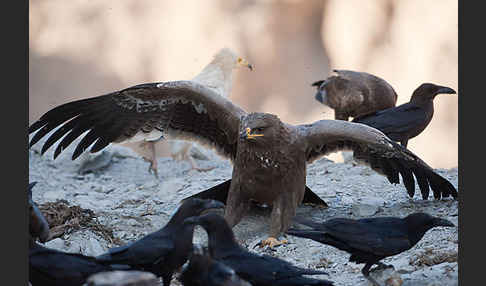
x: 127, y: 203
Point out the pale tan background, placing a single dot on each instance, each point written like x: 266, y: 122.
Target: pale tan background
x: 82, y: 48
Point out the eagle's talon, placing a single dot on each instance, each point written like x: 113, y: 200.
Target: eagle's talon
x: 272, y: 242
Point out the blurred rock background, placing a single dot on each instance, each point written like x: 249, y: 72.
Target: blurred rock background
x: 80, y: 49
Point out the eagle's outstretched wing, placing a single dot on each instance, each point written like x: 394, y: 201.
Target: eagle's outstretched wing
x: 179, y: 109
x: 376, y: 150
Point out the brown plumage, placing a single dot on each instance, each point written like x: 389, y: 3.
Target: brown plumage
x: 269, y: 156
x: 352, y: 93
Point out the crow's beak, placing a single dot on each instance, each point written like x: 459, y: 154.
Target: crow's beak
x: 192, y: 220
x: 445, y: 90
x: 317, y: 83
x: 319, y: 97
x: 212, y: 204
x: 41, y: 225
x: 197, y: 249
x: 443, y: 222
x: 31, y: 185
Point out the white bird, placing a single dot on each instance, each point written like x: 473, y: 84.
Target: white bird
x: 217, y: 76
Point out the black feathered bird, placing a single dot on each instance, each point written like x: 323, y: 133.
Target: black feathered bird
x: 38, y: 226
x: 408, y: 120
x: 163, y: 251
x: 202, y: 270
x: 259, y: 270
x: 371, y: 239
x: 56, y: 268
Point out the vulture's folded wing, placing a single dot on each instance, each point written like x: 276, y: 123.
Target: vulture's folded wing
x: 179, y: 109
x: 376, y: 150
x: 380, y: 90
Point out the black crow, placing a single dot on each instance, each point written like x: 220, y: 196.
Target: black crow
x: 371, y: 239
x: 202, y: 270
x: 259, y: 270
x: 163, y: 251
x: 56, y: 268
x: 407, y: 120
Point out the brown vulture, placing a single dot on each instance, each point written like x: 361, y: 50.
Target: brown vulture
x: 352, y: 93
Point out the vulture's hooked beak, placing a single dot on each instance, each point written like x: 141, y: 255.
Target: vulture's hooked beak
x: 244, y: 63
x: 248, y: 135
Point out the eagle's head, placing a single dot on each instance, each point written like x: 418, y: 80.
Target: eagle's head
x: 261, y: 129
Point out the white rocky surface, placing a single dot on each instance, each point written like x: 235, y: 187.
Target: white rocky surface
x: 126, y: 198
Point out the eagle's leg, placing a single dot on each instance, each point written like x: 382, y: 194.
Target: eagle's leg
x: 283, y: 211
x: 236, y: 206
x: 152, y: 157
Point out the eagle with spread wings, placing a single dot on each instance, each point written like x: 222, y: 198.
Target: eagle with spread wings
x: 269, y: 156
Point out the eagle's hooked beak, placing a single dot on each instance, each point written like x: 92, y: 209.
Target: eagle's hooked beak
x: 248, y: 135
x: 244, y: 63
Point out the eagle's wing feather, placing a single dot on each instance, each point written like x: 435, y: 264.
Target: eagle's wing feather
x: 179, y: 109
x: 376, y: 150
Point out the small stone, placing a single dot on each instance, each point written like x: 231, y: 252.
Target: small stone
x: 53, y: 196
x: 122, y: 278
x: 56, y: 243
x: 367, y: 207
x: 386, y: 277
x: 346, y: 200
x: 93, y: 247
x: 93, y: 162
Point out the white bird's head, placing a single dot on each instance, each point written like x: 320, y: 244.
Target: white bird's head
x: 230, y: 58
